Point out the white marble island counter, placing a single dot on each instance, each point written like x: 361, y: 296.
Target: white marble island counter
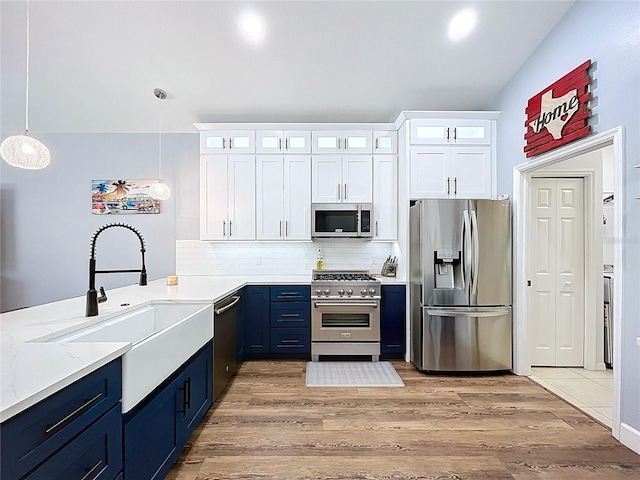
x: 31, y: 369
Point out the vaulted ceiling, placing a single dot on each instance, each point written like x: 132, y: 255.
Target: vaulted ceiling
x: 94, y: 64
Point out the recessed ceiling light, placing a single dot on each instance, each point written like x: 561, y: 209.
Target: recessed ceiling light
x: 462, y: 24
x: 253, y: 26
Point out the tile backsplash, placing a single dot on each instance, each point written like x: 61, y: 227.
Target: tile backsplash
x: 194, y: 257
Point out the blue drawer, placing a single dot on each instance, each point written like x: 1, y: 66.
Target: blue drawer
x: 291, y: 292
x: 33, y: 435
x: 290, y: 314
x: 291, y: 340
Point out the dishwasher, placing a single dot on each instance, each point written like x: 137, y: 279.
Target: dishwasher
x: 225, y: 363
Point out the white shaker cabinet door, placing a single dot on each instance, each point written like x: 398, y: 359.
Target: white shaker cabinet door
x: 385, y: 198
x: 213, y: 197
x: 471, y: 172
x: 269, y: 197
x: 326, y: 179
x: 357, y: 178
x: 297, y: 197
x: 429, y: 172
x: 242, y: 197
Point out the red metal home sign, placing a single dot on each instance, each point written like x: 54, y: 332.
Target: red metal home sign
x: 558, y: 114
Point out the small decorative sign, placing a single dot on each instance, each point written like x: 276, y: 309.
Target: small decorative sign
x: 124, y: 197
x: 558, y: 114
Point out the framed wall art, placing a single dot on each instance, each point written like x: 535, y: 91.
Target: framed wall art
x: 123, y: 197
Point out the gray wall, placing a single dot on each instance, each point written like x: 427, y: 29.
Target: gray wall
x: 607, y: 33
x: 46, y: 223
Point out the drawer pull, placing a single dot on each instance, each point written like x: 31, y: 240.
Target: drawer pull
x: 93, y: 469
x: 289, y: 293
x: 290, y: 315
x: 72, y: 414
x: 290, y: 341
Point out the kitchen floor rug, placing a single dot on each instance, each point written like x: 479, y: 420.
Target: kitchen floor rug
x: 352, y: 374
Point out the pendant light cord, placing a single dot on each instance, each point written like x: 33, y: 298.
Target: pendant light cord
x: 26, y: 126
x: 160, y: 142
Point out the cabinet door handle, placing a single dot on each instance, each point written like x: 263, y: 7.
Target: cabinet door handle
x: 224, y: 143
x: 290, y: 315
x: 286, y: 228
x: 224, y: 228
x: 448, y: 185
x: 183, y: 388
x: 376, y: 147
x: 280, y: 144
x: 377, y: 230
x: 290, y: 341
x: 286, y: 143
x: 447, y: 134
x: 338, y: 185
x: 91, y: 470
x: 230, y: 228
x: 339, y: 143
x: 59, y: 423
x: 280, y: 234
x: 345, y: 191
x: 455, y: 185
x: 188, y: 384
x: 455, y: 134
x: 230, y: 143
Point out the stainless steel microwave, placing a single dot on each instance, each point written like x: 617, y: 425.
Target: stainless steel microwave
x: 341, y: 220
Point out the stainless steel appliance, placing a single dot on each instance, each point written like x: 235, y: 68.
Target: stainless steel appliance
x: 460, y: 285
x: 341, y: 220
x: 345, y: 314
x: 225, y: 363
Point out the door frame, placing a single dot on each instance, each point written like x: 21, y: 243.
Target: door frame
x: 593, y: 292
x: 522, y: 174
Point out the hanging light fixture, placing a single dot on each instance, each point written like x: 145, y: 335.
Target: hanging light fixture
x: 24, y: 151
x: 160, y: 191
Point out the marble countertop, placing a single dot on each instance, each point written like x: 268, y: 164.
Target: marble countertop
x: 31, y: 369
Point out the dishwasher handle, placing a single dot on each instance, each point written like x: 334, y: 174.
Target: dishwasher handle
x: 226, y: 307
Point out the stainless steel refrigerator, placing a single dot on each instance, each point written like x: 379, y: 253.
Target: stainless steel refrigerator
x: 460, y: 285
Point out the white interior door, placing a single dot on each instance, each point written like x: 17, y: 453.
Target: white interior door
x: 556, y: 271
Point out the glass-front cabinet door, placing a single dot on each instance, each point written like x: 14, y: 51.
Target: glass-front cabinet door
x: 227, y: 141
x: 450, y: 132
x: 385, y: 142
x: 277, y: 141
x: 341, y: 142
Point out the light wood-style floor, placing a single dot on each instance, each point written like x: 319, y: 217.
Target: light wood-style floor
x: 268, y: 425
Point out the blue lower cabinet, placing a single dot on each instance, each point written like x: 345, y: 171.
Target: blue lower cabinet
x: 157, y: 429
x: 95, y: 453
x: 290, y: 314
x: 44, y: 430
x: 256, y: 320
x: 291, y: 340
x: 393, y: 321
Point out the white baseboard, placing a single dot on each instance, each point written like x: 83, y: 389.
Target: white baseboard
x: 630, y: 437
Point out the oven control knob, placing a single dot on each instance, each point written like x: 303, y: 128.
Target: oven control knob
x: 349, y: 292
x: 341, y: 292
x: 372, y: 291
x: 363, y: 292
x: 327, y: 291
x: 318, y: 291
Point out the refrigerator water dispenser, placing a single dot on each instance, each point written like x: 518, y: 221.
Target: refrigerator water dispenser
x: 446, y: 260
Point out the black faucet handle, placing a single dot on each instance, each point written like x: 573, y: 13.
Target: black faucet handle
x: 103, y: 296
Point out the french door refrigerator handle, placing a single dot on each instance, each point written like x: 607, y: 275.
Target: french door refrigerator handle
x: 476, y: 251
x: 467, y: 248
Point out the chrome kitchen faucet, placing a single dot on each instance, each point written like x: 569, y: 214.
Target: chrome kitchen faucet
x: 92, y: 295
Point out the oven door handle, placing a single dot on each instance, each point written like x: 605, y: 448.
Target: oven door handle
x: 346, y: 304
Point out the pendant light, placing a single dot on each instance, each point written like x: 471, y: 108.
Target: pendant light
x: 24, y: 151
x: 159, y: 190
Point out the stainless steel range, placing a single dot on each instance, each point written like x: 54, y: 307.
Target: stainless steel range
x: 345, y: 313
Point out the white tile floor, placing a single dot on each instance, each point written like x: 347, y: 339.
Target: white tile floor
x: 590, y: 391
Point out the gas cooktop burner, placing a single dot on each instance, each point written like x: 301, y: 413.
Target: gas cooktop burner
x: 342, y: 276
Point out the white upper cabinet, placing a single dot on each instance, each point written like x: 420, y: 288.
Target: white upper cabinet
x: 450, y: 172
x: 385, y: 197
x: 342, y: 179
x: 283, y: 197
x: 227, y: 141
x: 385, y: 142
x: 276, y: 141
x: 450, y: 132
x: 227, y: 197
x: 341, y: 142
